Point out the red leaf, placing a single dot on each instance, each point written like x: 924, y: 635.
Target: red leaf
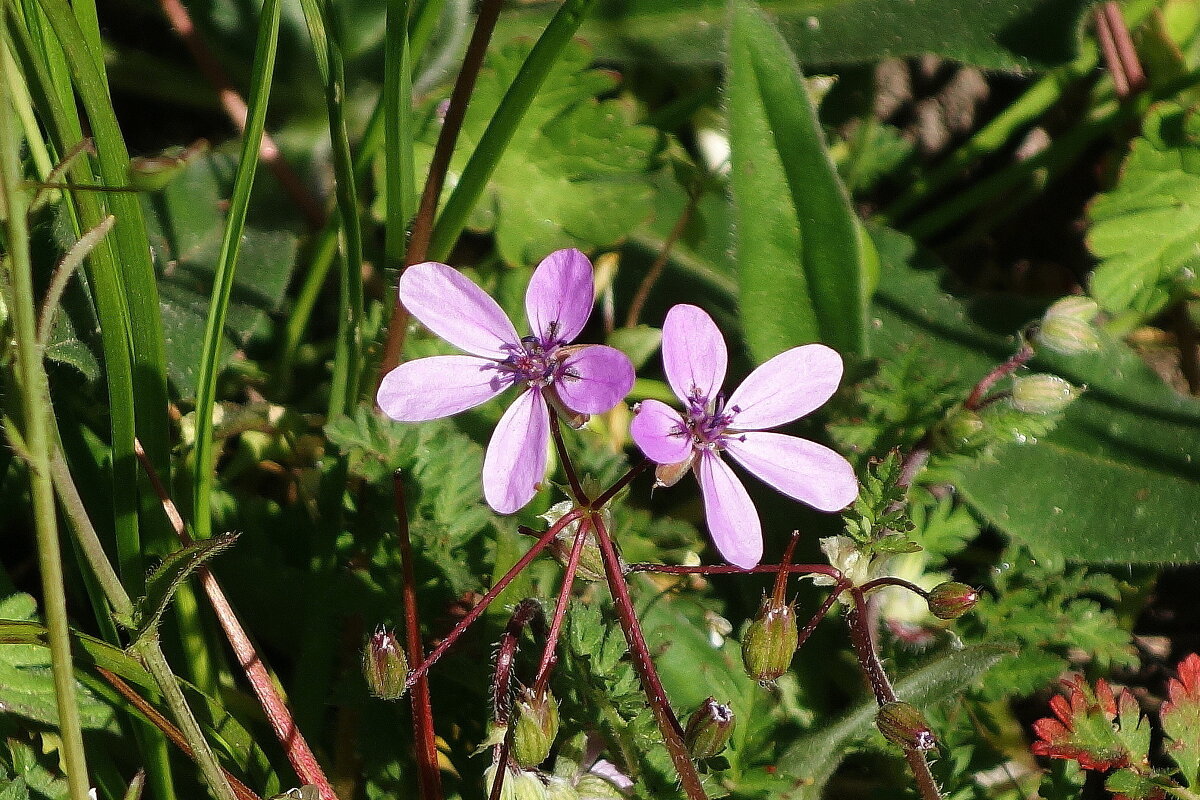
x: 1082, y: 728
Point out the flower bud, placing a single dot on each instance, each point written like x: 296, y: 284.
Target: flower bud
x: 903, y: 725
x: 560, y: 789
x: 594, y: 787
x: 535, y: 728
x: 770, y: 642
x: 951, y: 600
x: 1067, y: 326
x: 385, y: 666
x: 519, y: 785
x: 591, y: 562
x: 960, y: 430
x: 708, y: 729
x: 1042, y: 394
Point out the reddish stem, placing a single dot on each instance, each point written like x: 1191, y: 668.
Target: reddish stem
x: 651, y: 684
x: 871, y: 586
x: 560, y: 447
x: 299, y: 754
x: 235, y: 108
x: 655, y: 272
x: 527, y: 612
x: 456, y: 111
x: 729, y: 569
x: 816, y: 618
x: 430, y: 778
x: 881, y: 685
x: 622, y: 482
x: 975, y: 399
x: 545, y: 538
x: 780, y: 592
x: 549, y: 654
x: 151, y: 713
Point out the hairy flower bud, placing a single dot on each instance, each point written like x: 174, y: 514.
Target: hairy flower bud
x: 903, y: 725
x: 708, y: 729
x: 1042, y: 394
x: 535, y: 728
x: 1067, y: 326
x: 385, y: 666
x: 591, y: 562
x: 519, y: 785
x: 770, y: 642
x: 951, y: 600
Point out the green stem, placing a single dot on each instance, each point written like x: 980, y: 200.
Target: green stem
x: 156, y: 663
x: 37, y: 412
x: 398, y: 141
x: 210, y: 364
x: 503, y: 125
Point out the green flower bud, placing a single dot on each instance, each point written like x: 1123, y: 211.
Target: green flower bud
x: 535, y: 728
x: 385, y: 666
x: 903, y: 725
x: 708, y: 729
x: 520, y: 785
x: 951, y: 600
x: 594, y: 787
x: 560, y: 789
x: 1042, y: 394
x: 1067, y: 326
x: 591, y: 562
x: 770, y: 642
x: 959, y: 431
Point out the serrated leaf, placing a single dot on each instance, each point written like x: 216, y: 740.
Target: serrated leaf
x: 1018, y: 35
x: 801, y: 268
x: 575, y: 173
x: 1145, y: 230
x: 186, y: 221
x: 1098, y: 728
x: 1180, y: 717
x: 167, y: 576
x: 27, y: 683
x: 813, y: 759
x: 15, y: 789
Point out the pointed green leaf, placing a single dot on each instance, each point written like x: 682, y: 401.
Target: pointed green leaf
x: 167, y: 576
x: 802, y: 273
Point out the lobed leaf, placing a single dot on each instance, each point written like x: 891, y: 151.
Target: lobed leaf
x: 1180, y: 716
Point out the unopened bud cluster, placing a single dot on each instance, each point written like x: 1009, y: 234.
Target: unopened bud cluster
x: 535, y: 728
x: 903, y: 725
x: 770, y: 642
x: 708, y: 729
x: 385, y: 666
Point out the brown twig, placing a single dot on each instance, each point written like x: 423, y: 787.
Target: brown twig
x: 235, y: 108
x: 456, y: 111
x: 656, y: 269
x: 1120, y: 55
x: 422, y: 708
x: 299, y: 754
x: 652, y: 686
x: 169, y: 730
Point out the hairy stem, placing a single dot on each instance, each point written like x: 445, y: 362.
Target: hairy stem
x: 656, y: 696
x: 564, y: 457
x: 975, y: 400
x: 422, y: 708
x: 549, y: 656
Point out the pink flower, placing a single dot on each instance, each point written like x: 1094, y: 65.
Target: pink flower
x: 580, y: 379
x: 787, y: 387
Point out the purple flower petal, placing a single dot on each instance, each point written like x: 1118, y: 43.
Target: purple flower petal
x: 560, y: 295
x: 787, y: 387
x: 515, y: 463
x: 431, y: 388
x: 595, y: 379
x: 804, y: 470
x: 450, y: 305
x: 732, y: 518
x: 693, y: 353
x: 658, y: 431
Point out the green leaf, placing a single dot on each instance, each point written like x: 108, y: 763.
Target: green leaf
x: 1116, y: 480
x: 801, y: 268
x: 813, y: 759
x: 27, y: 684
x: 1144, y: 231
x: 575, y: 172
x: 1018, y: 35
x: 186, y: 223
x: 167, y: 576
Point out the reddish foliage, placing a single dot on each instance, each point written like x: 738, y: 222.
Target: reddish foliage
x: 1078, y: 730
x: 1186, y: 690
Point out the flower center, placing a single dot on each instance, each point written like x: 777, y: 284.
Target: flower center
x: 707, y: 420
x: 534, y: 362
